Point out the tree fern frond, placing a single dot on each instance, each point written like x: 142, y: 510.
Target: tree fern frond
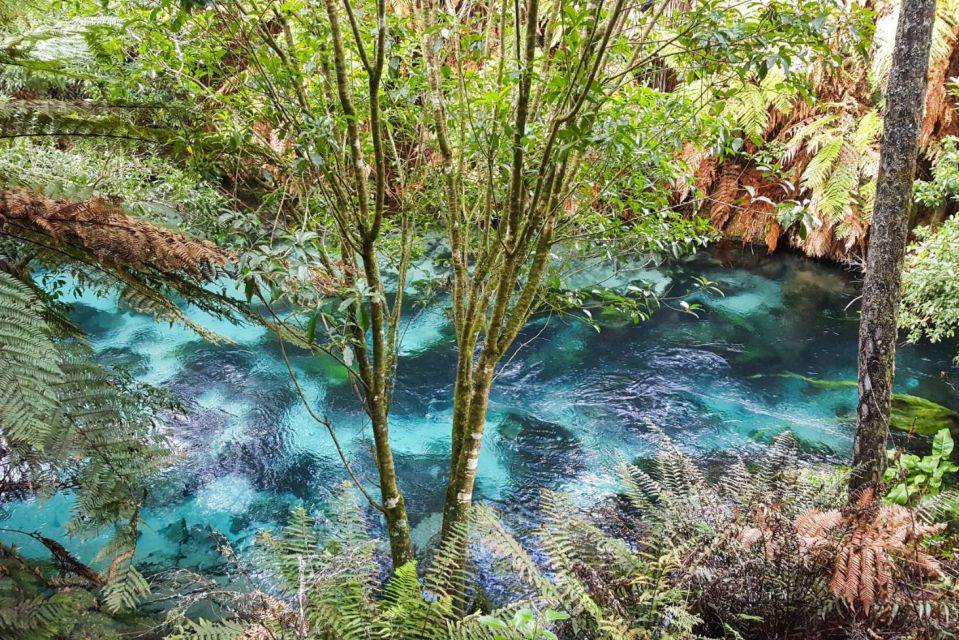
x: 144, y: 299
x: 206, y: 630
x: 124, y: 591
x: 821, y: 165
x: 29, y: 370
x: 839, y: 191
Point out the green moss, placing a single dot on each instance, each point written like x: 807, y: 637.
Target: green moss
x: 909, y: 413
x: 927, y: 416
x: 324, y: 367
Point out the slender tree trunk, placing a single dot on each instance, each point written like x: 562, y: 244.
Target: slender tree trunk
x: 394, y: 505
x: 378, y: 403
x: 363, y: 227
x: 499, y: 268
x: 905, y: 92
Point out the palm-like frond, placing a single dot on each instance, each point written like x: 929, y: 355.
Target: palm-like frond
x: 29, y: 368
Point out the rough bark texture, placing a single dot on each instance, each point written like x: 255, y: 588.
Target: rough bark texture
x: 887, y: 239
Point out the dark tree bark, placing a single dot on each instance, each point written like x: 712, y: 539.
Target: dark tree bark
x: 888, y: 234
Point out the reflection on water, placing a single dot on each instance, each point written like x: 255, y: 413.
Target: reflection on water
x: 564, y: 412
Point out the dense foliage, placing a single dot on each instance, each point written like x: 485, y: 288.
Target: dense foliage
x: 336, y: 161
x: 767, y: 552
x: 930, y: 306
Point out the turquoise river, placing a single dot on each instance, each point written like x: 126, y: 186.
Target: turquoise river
x: 565, y: 410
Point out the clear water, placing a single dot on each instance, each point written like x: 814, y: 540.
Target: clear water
x: 565, y: 410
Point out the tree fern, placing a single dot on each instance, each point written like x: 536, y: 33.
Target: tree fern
x: 840, y: 172
x: 67, y: 421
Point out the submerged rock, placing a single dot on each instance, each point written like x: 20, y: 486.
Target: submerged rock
x: 136, y: 364
x: 190, y: 546
x: 912, y: 413
x: 909, y: 413
x: 537, y: 455
x: 422, y: 478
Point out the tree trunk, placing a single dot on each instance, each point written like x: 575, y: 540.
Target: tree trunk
x: 378, y: 406
x: 468, y: 428
x: 394, y: 505
x: 361, y: 226
x: 888, y: 234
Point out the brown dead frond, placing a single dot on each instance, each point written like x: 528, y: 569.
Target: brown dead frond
x: 869, y: 543
x: 102, y: 228
x: 723, y: 197
x: 741, y: 202
x: 940, y: 118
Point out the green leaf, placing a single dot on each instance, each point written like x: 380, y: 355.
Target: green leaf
x: 942, y: 444
x: 909, y: 460
x: 898, y: 494
x: 929, y: 463
x: 363, y: 317
x: 311, y: 328
x: 523, y: 619
x: 493, y: 622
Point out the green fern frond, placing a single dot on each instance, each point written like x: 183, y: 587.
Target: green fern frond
x: 496, y: 538
x: 641, y: 490
x: 867, y: 132
x: 146, y: 300
x: 821, y: 165
x: 408, y: 614
x: 124, y: 591
x: 36, y: 618
x: 448, y: 578
x: 29, y: 371
x: 839, y: 191
x: 940, y: 507
x: 206, y: 630
x: 752, y: 105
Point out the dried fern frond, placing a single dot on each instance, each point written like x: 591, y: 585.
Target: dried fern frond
x: 872, y: 538
x: 106, y: 231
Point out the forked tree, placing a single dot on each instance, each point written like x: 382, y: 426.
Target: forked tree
x: 553, y: 132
